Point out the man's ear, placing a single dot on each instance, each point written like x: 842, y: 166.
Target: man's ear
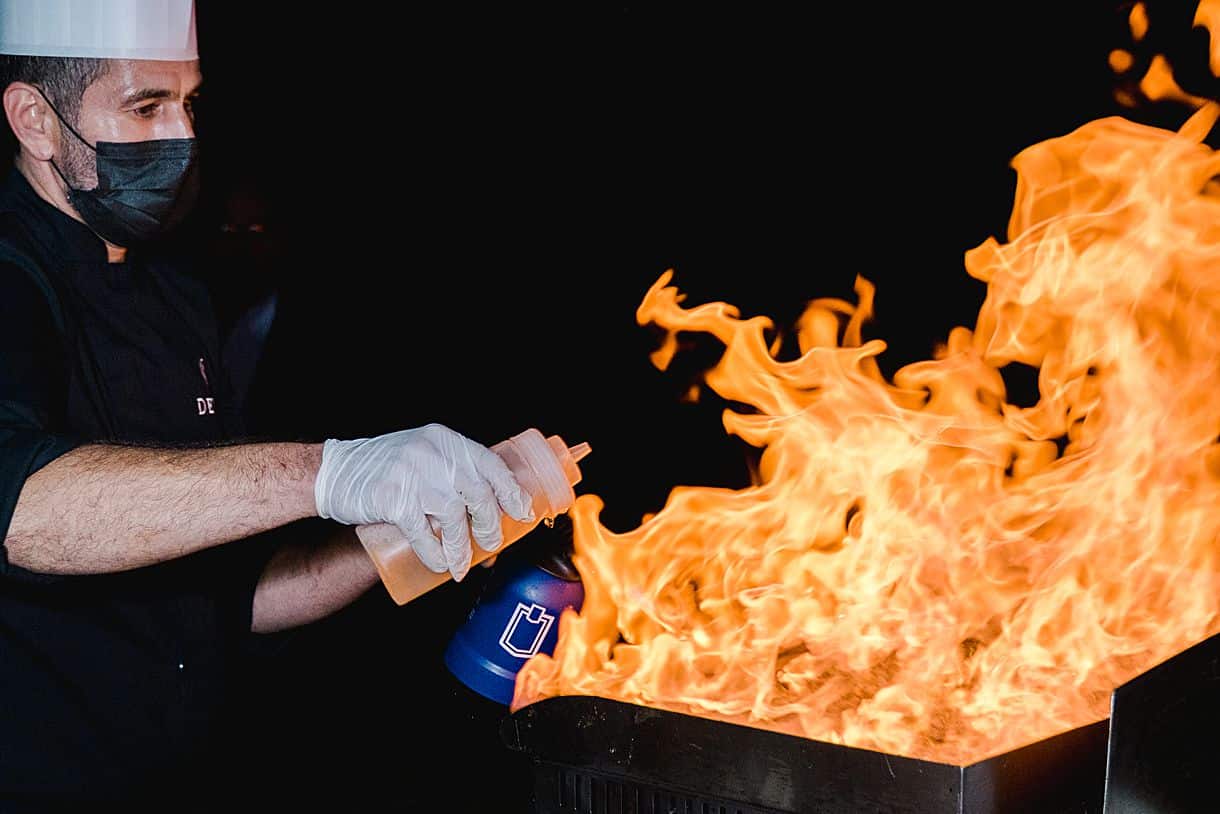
x: 32, y: 120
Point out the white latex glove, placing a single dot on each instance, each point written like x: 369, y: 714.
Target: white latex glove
x: 417, y: 479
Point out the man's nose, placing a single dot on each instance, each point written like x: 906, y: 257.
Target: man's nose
x: 181, y: 127
x: 188, y: 126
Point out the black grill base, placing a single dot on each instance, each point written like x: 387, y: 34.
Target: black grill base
x: 598, y: 756
x: 1157, y: 752
x: 562, y: 790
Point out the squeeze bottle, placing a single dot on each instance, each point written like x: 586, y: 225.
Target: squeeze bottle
x: 544, y: 466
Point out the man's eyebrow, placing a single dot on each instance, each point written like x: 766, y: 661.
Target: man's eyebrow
x: 148, y: 94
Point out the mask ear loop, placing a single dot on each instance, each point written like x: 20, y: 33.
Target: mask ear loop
x: 62, y: 120
x: 71, y: 130
x: 67, y: 185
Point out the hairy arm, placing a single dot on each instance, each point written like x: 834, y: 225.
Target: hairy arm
x: 305, y: 581
x: 100, y: 508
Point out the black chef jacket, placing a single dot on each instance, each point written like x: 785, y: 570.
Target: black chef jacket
x: 110, y: 685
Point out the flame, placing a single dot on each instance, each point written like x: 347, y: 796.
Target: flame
x: 1159, y: 84
x: 1138, y: 21
x: 921, y: 567
x: 1207, y: 15
x: 1121, y: 61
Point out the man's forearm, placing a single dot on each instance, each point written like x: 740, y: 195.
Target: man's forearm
x: 307, y: 580
x: 101, y: 509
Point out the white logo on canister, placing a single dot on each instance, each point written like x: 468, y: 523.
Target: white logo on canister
x: 517, y: 634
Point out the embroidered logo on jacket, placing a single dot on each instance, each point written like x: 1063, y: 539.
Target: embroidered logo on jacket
x: 204, y: 403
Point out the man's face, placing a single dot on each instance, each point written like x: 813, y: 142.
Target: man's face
x: 135, y: 100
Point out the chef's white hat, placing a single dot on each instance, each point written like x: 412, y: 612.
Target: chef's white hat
x: 106, y: 29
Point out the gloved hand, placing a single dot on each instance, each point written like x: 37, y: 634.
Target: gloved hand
x: 418, y: 478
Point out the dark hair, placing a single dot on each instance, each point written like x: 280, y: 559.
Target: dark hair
x: 62, y: 79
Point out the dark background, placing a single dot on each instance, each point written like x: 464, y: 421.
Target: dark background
x: 467, y: 207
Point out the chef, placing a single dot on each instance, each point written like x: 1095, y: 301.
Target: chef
x: 141, y: 544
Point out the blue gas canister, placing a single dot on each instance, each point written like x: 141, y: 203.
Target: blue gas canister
x: 515, y: 617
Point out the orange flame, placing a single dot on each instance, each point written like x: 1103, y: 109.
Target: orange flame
x: 1159, y: 84
x: 921, y: 568
x: 1121, y: 61
x: 1207, y: 15
x: 1138, y: 21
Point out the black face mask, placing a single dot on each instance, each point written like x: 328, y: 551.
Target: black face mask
x: 144, y: 188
